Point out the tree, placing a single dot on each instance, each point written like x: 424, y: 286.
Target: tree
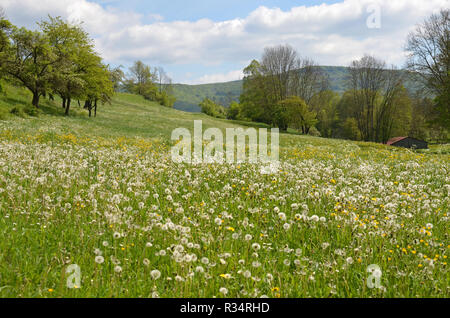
x: 117, y: 77
x: 350, y: 129
x: 294, y: 112
x: 5, y: 30
x: 234, y: 111
x: 374, y: 90
x: 429, y: 56
x: 279, y: 65
x: 99, y: 87
x: 279, y: 75
x: 210, y: 108
x: 75, y: 55
x: 257, y: 103
x: 141, y: 78
x: 30, y: 60
x: 325, y: 104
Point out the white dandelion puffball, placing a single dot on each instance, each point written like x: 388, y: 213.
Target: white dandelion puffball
x: 155, y: 274
x: 223, y: 291
x: 99, y: 259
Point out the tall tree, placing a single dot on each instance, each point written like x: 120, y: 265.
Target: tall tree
x: 429, y: 56
x: 30, y: 60
x: 280, y: 75
x: 374, y: 89
x: 141, y: 77
x: 99, y: 87
x: 117, y: 76
x: 294, y: 112
x: 74, y: 51
x: 5, y: 29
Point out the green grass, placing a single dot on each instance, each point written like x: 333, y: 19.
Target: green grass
x: 73, y: 188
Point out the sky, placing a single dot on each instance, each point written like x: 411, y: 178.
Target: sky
x: 207, y: 41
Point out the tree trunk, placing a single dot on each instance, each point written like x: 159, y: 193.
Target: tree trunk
x: 64, y: 103
x: 35, y: 101
x: 67, y: 107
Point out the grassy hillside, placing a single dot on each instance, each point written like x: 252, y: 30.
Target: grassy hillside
x: 189, y: 96
x: 102, y: 194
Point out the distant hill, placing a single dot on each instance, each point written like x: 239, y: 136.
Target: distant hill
x: 189, y: 96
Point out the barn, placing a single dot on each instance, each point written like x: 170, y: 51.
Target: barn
x: 408, y: 142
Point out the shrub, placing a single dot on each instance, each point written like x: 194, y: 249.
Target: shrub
x: 3, y: 115
x: 32, y: 111
x: 17, y: 111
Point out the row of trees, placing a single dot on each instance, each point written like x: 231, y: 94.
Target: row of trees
x: 57, y: 59
x: 154, y: 84
x: 284, y: 90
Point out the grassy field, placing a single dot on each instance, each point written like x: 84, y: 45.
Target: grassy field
x: 103, y: 193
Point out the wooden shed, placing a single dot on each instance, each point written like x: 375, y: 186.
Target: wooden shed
x: 408, y: 142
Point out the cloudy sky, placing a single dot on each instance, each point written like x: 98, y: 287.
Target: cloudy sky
x: 205, y: 41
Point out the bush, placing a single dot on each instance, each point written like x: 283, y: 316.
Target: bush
x: 32, y: 111
x: 3, y: 115
x: 314, y: 132
x: 212, y: 109
x: 17, y: 111
x: 234, y: 111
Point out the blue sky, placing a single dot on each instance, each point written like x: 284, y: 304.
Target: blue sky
x: 191, y: 10
x: 204, y: 41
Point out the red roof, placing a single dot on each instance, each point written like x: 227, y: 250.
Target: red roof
x: 395, y: 140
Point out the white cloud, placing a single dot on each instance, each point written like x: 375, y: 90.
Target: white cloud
x: 331, y: 34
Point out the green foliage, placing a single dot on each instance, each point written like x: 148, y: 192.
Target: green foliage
x: 18, y: 111
x: 325, y: 104
x: 442, y: 103
x: 29, y: 60
x: 57, y: 59
x: 234, y: 111
x: 350, y: 129
x: 294, y: 112
x: 142, y: 82
x: 32, y: 111
x: 210, y: 108
x: 3, y: 114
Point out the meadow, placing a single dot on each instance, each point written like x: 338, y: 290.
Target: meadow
x: 104, y: 194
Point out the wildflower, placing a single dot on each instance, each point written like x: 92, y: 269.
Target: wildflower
x: 223, y: 291
x: 256, y: 246
x: 99, y: 259
x: 155, y: 274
